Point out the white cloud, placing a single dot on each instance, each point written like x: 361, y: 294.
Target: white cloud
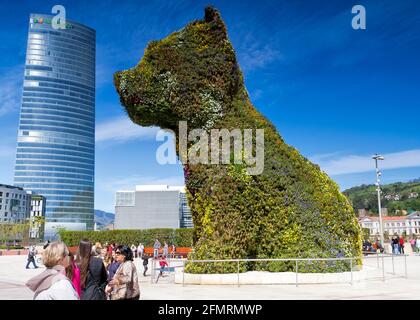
x: 122, y: 129
x: 358, y: 163
x: 258, y: 57
x: 11, y: 90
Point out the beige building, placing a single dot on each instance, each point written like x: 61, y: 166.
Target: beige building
x: 410, y: 224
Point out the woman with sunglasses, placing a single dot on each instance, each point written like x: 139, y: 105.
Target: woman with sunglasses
x: 124, y: 285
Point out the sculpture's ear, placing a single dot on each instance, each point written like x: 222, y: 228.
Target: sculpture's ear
x: 212, y: 16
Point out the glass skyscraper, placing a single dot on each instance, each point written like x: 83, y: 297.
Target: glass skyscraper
x: 56, y: 137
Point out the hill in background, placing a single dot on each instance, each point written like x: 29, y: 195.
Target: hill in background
x: 103, y: 218
x: 396, y: 197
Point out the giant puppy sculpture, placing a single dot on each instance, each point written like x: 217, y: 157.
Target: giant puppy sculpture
x: 291, y: 209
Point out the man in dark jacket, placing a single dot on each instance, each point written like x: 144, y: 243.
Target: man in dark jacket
x: 145, y: 263
x: 31, y: 257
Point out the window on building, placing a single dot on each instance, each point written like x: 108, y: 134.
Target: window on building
x: 125, y: 199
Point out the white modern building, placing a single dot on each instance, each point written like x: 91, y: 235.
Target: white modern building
x: 152, y: 206
x: 410, y: 224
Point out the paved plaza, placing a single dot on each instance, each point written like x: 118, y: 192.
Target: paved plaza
x: 13, y: 275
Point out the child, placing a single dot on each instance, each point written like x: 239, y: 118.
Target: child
x: 162, y: 264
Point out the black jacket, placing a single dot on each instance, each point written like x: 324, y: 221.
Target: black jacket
x: 96, y: 281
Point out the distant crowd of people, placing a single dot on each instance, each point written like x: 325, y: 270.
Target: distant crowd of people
x: 397, y: 245
x: 372, y: 247
x: 95, y: 272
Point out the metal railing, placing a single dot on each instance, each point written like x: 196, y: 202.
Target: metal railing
x: 379, y: 257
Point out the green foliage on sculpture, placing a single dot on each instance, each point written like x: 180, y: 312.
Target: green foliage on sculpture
x: 292, y: 209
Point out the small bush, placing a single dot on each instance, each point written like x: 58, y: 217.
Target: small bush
x: 2, y: 247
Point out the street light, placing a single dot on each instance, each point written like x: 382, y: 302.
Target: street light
x: 377, y: 157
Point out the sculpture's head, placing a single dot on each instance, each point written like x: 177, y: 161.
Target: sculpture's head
x: 190, y: 75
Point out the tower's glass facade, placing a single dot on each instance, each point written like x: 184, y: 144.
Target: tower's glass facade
x: 56, y: 138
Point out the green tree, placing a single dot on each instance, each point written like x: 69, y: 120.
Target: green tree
x: 366, y: 233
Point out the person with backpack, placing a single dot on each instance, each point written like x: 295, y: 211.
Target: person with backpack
x: 31, y: 257
x: 93, y: 276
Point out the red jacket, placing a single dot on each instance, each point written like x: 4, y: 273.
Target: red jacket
x: 401, y: 241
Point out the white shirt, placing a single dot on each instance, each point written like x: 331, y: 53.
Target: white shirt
x: 61, y: 290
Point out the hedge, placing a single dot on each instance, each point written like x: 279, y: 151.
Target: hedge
x: 179, y: 237
x: 11, y: 247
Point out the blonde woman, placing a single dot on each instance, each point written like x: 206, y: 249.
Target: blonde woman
x: 52, y: 284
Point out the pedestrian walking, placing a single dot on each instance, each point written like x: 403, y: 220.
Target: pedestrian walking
x: 162, y: 263
x: 418, y: 245
x: 124, y: 285
x: 134, y: 250
x: 401, y: 245
x: 413, y: 244
x: 31, y: 257
x: 93, y: 276
x: 394, y: 243
x: 156, y: 247
x: 173, y: 250
x: 145, y: 264
x: 140, y: 250
x: 165, y: 249
x: 52, y: 283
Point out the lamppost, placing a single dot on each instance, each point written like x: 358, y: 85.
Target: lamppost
x: 377, y: 157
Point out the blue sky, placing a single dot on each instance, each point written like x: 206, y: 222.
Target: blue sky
x: 336, y: 94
